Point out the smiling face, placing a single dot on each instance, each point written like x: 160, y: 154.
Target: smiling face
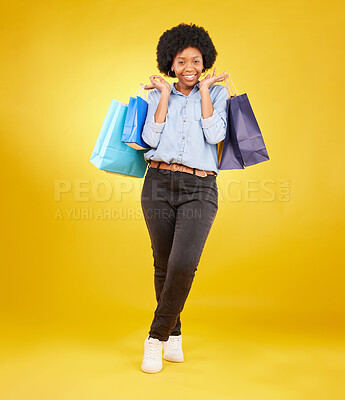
x: 188, y: 66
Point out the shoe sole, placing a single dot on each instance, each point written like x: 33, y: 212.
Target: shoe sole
x: 151, y: 372
x: 172, y: 360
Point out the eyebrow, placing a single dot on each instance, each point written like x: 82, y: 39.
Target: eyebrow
x: 192, y: 57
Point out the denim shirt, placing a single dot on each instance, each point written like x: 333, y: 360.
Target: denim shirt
x: 186, y: 137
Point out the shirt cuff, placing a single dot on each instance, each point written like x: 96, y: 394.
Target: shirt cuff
x: 157, y: 127
x: 208, y: 122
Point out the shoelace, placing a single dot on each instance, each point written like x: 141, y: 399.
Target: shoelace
x: 153, y: 349
x: 175, y: 342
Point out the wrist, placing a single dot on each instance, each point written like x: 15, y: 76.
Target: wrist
x: 203, y: 89
x: 165, y: 92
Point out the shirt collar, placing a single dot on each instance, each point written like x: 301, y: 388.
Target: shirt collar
x: 173, y: 89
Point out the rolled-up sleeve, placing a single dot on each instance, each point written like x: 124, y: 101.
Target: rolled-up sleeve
x: 152, y: 130
x: 214, y: 127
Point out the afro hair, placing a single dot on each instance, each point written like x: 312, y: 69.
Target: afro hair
x: 180, y: 37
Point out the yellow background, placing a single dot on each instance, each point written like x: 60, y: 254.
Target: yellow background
x: 265, y: 316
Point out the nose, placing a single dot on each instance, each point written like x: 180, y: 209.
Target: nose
x: 189, y: 69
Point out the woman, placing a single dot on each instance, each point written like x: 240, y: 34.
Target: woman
x: 184, y: 123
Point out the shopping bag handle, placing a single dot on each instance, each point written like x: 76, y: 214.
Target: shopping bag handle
x: 227, y: 81
x: 141, y: 92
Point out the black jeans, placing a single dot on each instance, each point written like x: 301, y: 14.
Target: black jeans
x: 179, y: 210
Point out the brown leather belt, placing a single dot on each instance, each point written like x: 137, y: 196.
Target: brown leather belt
x: 180, y: 167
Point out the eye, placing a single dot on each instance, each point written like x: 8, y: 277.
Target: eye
x: 180, y: 62
x: 197, y: 61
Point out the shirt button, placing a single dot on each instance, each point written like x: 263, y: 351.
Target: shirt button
x: 180, y: 154
x: 182, y: 137
x: 184, y: 120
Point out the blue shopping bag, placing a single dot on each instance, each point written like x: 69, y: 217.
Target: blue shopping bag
x: 243, y: 144
x: 110, y: 153
x: 135, y: 120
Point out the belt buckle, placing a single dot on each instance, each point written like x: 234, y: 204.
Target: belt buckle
x: 204, y: 176
x: 174, y: 170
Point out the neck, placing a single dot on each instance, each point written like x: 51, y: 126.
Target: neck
x: 183, y: 88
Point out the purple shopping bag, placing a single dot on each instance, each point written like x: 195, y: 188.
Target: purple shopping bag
x: 243, y: 145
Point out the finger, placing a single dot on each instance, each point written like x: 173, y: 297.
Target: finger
x: 154, y: 81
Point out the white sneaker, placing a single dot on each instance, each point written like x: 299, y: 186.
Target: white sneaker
x: 152, y: 361
x: 173, y: 349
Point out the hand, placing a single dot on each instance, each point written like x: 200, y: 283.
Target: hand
x: 161, y: 84
x: 210, y: 80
